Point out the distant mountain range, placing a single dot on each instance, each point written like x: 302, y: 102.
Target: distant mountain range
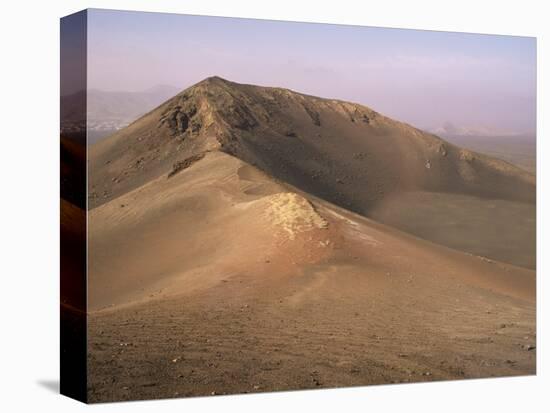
x: 109, y: 111
x: 449, y: 129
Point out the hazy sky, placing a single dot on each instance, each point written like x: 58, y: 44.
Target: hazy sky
x: 422, y: 77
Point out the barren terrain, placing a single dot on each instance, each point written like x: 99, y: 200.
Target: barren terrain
x: 246, y: 239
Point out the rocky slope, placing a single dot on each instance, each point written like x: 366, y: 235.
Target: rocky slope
x: 343, y: 152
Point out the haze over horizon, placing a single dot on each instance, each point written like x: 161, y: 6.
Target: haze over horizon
x: 426, y: 78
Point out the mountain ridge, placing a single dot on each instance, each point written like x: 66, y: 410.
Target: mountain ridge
x: 323, y: 137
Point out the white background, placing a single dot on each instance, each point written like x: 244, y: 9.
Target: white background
x: 29, y: 204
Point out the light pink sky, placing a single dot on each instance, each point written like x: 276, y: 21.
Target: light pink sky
x: 425, y: 78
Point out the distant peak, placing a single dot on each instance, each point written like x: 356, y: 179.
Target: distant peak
x: 161, y: 89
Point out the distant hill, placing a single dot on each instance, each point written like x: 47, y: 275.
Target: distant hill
x: 109, y: 111
x: 449, y: 129
x: 520, y: 150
